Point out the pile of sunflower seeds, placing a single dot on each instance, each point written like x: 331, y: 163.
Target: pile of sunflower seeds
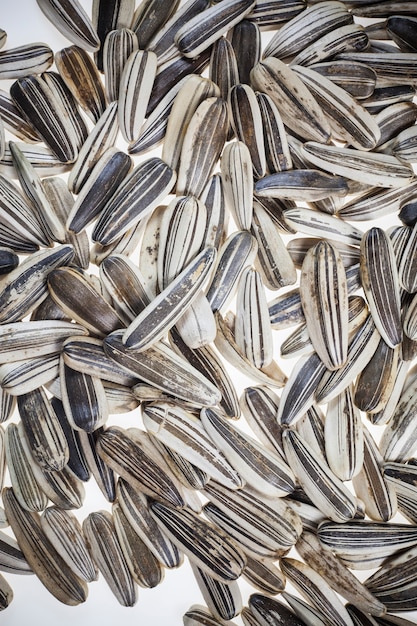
x: 197, y: 266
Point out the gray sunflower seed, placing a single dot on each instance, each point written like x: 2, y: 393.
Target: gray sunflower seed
x: 402, y: 30
x: 30, y: 276
x: 161, y: 367
x: 387, y: 95
x: 277, y: 153
x: 236, y: 169
x: 143, y: 565
x: 42, y: 430
x: 149, y: 17
x: 328, y: 492
x: 316, y: 590
x: 25, y: 488
x: 194, y: 91
x: 223, y: 599
x: 223, y: 69
x: 265, y: 611
x: 286, y: 310
x: 303, y: 610
x: 237, y: 252
x: 225, y: 343
x: 395, y: 118
x: 125, y: 456
x: 380, y: 283
x: 202, y: 144
x: 14, y: 122
x: 12, y: 559
x: 102, y: 473
x: 108, y: 16
x: 48, y: 115
x: 376, y: 203
x: 381, y: 170
x: 261, y: 469
x: 265, y: 526
x: 326, y: 309
x: 252, y: 327
x: 22, y: 61
x: 105, y: 549
x: 308, y: 26
x: 154, y: 128
x: 126, y: 285
x: 302, y: 184
x: 135, y: 89
x: 360, y: 350
x: 336, y: 42
x: 77, y: 297
x: 207, y: 362
x: 41, y: 556
x: 183, y: 433
x: 136, y: 510
x: 366, y: 542
x: 262, y: 574
x: 200, y: 616
x: 148, y: 327
x: 376, y: 381
x: 65, y: 533
x: 207, y: 547
x: 118, y: 46
x: 392, y: 68
x: 140, y: 193
x: 189, y: 475
x: 162, y: 42
x: 72, y: 21
x: 298, y: 108
x: 315, y: 223
x: 102, y: 137
x: 337, y: 575
x: 260, y: 408
x: 27, y: 375
x: 34, y: 190
x: 87, y: 356
x: 206, y: 27
x: 344, y: 436
x: 84, y: 399
x: 352, y: 122
x: 108, y: 174
x: 371, y: 485
x: 83, y: 80
x: 357, y: 79
x: 246, y: 121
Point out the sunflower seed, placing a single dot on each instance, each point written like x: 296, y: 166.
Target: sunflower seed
x: 298, y: 108
x: 72, y: 21
x: 65, y: 533
x: 41, y: 556
x: 357, y: 79
x: 207, y: 547
x: 25, y: 488
x: 27, y: 375
x: 260, y: 408
x: 102, y: 540
x: 237, y: 252
x: 392, y: 68
x: 135, y: 508
x: 184, y: 433
x: 118, y: 46
x: 14, y: 122
x: 143, y: 565
x: 223, y: 599
x: 83, y: 80
x: 266, y: 611
x: 102, y: 473
x: 26, y: 60
x: 48, y: 114
x: 84, y: 399
x: 108, y: 16
x: 202, y: 30
x: 308, y: 26
x: 12, y: 559
x: 262, y: 574
x: 200, y: 616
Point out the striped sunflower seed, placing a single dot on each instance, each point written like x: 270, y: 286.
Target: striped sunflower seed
x: 25, y: 60
x: 108, y: 16
x: 223, y: 599
x: 72, y: 21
